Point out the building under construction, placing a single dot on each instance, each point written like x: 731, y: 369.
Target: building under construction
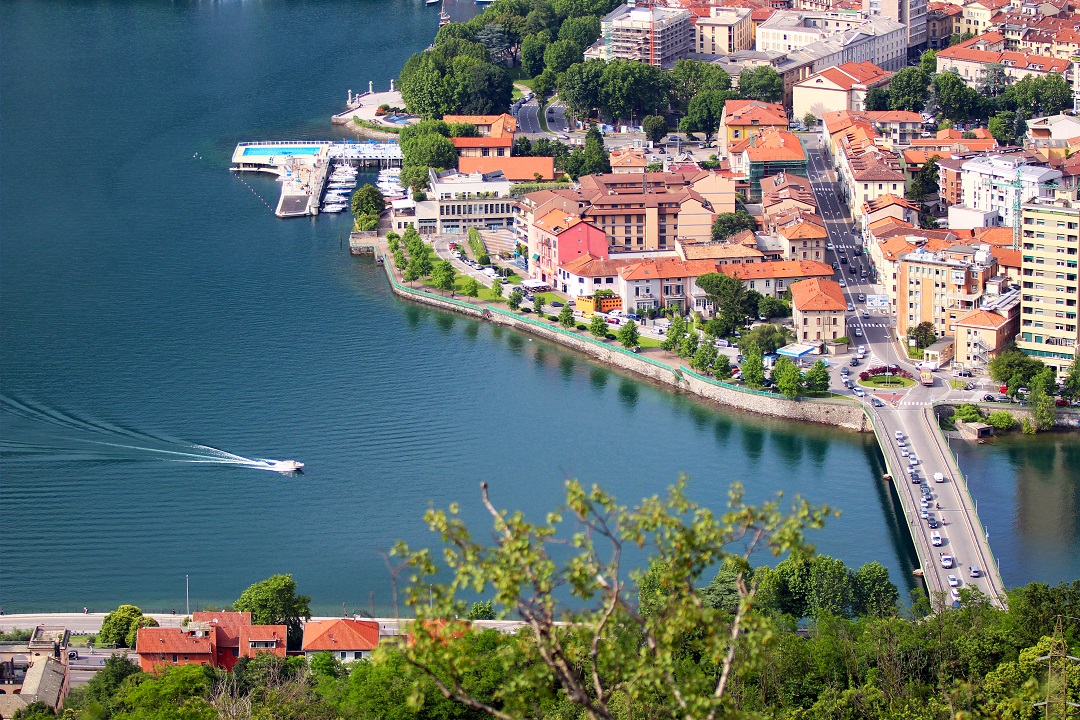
x: 655, y: 35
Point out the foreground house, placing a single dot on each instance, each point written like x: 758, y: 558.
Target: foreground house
x: 818, y: 309
x: 215, y: 639
x: 347, y: 640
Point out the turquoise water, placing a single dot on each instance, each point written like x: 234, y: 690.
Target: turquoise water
x: 159, y: 326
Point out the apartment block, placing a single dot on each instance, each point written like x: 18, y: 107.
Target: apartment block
x: 1049, y: 288
x: 655, y: 35
x: 991, y: 184
x: 941, y: 287
x: 723, y: 32
x: 910, y: 13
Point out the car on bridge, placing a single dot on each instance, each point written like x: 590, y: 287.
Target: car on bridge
x: 954, y: 581
x: 935, y: 538
x: 946, y: 560
x: 974, y: 572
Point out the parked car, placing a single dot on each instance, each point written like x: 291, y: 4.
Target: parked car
x: 989, y: 398
x: 555, y: 303
x: 865, y: 314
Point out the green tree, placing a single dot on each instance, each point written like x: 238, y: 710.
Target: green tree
x: 176, y: 692
x: 753, y: 367
x: 688, y: 78
x: 481, y: 611
x: 992, y: 80
x: 928, y: 63
x: 1002, y: 420
x: 365, y: 223
x: 582, y: 31
x: 704, y: 113
x: 544, y: 83
x: 532, y: 55
x: 817, y: 377
x: 514, y: 300
x: 106, y: 682
x: 875, y: 595
x: 1043, y: 408
x: 497, y: 288
x: 430, y: 150
x: 560, y: 55
x: 443, y: 275
x: 1004, y: 126
x: 704, y: 357
x: 119, y: 628
x: 579, y: 87
x: 678, y: 625
x: 628, y: 335
x: 877, y: 99
x: 325, y: 665
x: 809, y: 120
x: 1015, y: 368
x: 909, y: 90
x: 566, y: 317
x: 368, y: 200
x: 786, y: 376
x: 538, y: 304
x: 955, y: 98
x: 924, y: 334
x: 1070, y: 386
x: 655, y: 127
x: 688, y: 346
x: 722, y: 366
x: 399, y: 259
x: 766, y: 338
x: 274, y: 601
x: 36, y: 710
x: 761, y: 83
x: 771, y: 307
x: 830, y: 589
x: 629, y: 88
x: 494, y: 38
x: 728, y: 224
x: 598, y: 326
x: 673, y: 340
x: 470, y: 287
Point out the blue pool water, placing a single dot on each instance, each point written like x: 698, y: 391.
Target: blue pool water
x: 288, y: 150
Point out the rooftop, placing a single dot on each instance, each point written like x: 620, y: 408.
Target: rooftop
x: 340, y: 634
x: 818, y: 294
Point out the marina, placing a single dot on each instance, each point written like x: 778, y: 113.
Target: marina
x: 306, y: 169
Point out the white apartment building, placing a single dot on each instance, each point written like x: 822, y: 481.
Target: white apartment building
x: 723, y: 32
x: 655, y: 35
x: 909, y: 13
x: 835, y: 38
x: 456, y: 202
x: 994, y: 182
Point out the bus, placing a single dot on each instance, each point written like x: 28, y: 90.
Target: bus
x: 926, y: 377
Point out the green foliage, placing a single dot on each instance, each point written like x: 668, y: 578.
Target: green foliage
x: 771, y: 307
x: 876, y: 99
x: 924, y: 334
x: 704, y: 357
x: 1014, y: 368
x: 967, y: 413
x: 538, y: 303
x: 766, y: 338
x: 598, y: 326
x: 566, y: 317
x: 786, y: 376
x: 175, y: 693
x: 909, y: 90
x: 429, y: 149
x: 443, y: 275
x: 120, y: 627
x: 532, y: 55
x: 728, y: 224
x: 366, y: 223
x: 673, y: 340
x: 689, y: 78
x: 628, y: 335
x: 654, y: 126
x: 514, y: 300
x: 992, y: 80
x: 1002, y: 420
x: 560, y: 55
x: 579, y: 86
x: 582, y: 31
x: 326, y: 665
x: 481, y: 611
x: 591, y: 158
x: 274, y: 601
x: 16, y: 635
x: 722, y: 366
x: 956, y: 99
x: 1043, y: 408
x: 470, y: 287
x: 36, y: 710
x: 368, y: 200
x: 928, y: 63
x: 414, y: 177
x: 1070, y: 386
x: 497, y: 288
x: 457, y: 76
x: 704, y: 112
x: 761, y: 83
x: 1007, y: 127
x: 629, y: 88
x: 753, y: 367
x: 817, y: 377
x: 1035, y: 96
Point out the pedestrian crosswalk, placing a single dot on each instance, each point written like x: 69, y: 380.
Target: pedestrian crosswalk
x: 875, y: 325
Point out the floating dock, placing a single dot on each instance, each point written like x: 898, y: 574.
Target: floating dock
x: 302, y: 167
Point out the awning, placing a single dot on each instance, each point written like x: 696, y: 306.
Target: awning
x: 536, y: 256
x: 797, y: 350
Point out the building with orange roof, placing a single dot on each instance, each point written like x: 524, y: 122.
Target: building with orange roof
x: 586, y: 274
x: 967, y: 59
x: 345, y: 639
x: 557, y: 238
x: 803, y: 237
x: 818, y: 309
x: 772, y: 279
x: 842, y: 87
x: 515, y: 169
x: 504, y: 125
x: 215, y: 639
x: 888, y: 206
x: 981, y: 334
x: 628, y: 160
x: 769, y: 152
x: 743, y: 118
x: 660, y: 282
x: 726, y: 252
x: 783, y: 192
x: 941, y: 286
x: 483, y: 146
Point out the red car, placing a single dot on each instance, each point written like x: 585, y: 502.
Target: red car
x: 1004, y: 389
x: 1061, y: 402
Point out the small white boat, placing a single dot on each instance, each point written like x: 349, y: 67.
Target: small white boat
x: 333, y: 208
x: 286, y: 466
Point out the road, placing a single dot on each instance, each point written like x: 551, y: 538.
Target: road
x: 528, y: 118
x: 908, y: 411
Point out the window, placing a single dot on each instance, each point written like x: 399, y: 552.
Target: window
x: 357, y: 655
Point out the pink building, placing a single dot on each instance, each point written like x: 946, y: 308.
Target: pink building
x: 559, y: 237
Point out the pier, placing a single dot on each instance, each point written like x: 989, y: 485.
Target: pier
x: 302, y: 167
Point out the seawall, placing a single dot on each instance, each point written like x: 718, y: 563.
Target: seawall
x: 829, y: 411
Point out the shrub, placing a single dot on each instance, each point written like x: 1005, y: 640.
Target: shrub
x: 845, y: 340
x: 553, y: 318
x: 1002, y: 420
x: 581, y: 326
x: 1029, y: 427
x: 483, y: 259
x: 968, y: 413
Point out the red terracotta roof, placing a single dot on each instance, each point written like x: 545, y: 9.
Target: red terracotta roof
x: 171, y: 640
x: 771, y: 145
x: 778, y: 269
x: 983, y: 318
x: 592, y: 266
x: 229, y: 624
x: 850, y: 74
x: 1006, y: 256
x: 818, y: 294
x: 482, y: 142
x: 661, y: 268
x: 500, y: 125
x: 754, y: 112
x: 887, y: 200
x: 340, y: 634
x: 516, y: 168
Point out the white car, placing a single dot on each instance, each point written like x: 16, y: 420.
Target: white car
x: 900, y: 443
x: 899, y: 434
x: 913, y: 461
x: 842, y: 283
x: 955, y: 595
x: 830, y: 246
x: 859, y: 392
x: 946, y: 560
x: 924, y: 504
x: 935, y: 538
x: 939, y: 477
x: 953, y: 581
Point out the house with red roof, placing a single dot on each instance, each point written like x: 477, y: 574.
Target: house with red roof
x: 818, y: 310
x: 663, y: 282
x: 743, y: 118
x: 888, y: 206
x: 514, y: 169
x: 969, y: 58
x: 769, y: 152
x: 772, y: 279
x: 557, y: 238
x: 346, y: 639
x: 842, y: 87
x: 217, y: 639
x: 496, y: 135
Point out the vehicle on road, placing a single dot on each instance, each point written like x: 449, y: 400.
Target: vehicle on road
x: 73, y: 654
x: 926, y: 378
x: 931, y: 522
x: 899, y: 435
x: 555, y: 303
x: 830, y: 246
x: 866, y: 314
x: 876, y: 403
x: 954, y: 581
x: 843, y: 260
x: 974, y: 571
x: 564, y: 136
x: 850, y: 307
x: 844, y: 371
x: 858, y: 332
x: 853, y: 362
x: 939, y: 477
x: 946, y: 560
x: 862, y: 297
x: 955, y: 594
x: 905, y: 452
x: 859, y: 392
x: 935, y: 538
x: 913, y: 461
x: 842, y: 283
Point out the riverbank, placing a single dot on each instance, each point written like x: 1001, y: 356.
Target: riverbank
x: 652, y: 364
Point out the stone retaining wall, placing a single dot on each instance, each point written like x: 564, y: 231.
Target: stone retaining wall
x: 841, y: 414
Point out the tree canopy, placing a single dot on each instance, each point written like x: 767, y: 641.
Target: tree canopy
x: 274, y: 601
x: 121, y: 626
x: 761, y: 83
x: 728, y: 224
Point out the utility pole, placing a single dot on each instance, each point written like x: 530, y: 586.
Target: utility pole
x: 1057, y: 674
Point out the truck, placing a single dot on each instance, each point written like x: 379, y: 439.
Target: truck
x: 926, y: 377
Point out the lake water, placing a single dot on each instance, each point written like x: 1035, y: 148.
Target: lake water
x: 151, y: 304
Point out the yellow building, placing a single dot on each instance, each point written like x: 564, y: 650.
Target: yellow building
x: 1049, y: 287
x: 743, y: 118
x: 726, y: 30
x: 941, y: 287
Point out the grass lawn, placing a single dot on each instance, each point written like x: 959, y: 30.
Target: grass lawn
x: 648, y: 342
x: 957, y: 384
x: 880, y: 381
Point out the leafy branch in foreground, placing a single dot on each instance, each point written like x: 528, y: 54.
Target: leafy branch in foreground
x: 604, y: 648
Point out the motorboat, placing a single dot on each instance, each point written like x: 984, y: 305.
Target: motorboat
x: 285, y: 466
x: 335, y: 208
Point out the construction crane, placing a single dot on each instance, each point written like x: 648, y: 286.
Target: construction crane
x: 1017, y: 184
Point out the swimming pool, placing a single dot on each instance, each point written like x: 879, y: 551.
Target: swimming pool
x: 286, y: 150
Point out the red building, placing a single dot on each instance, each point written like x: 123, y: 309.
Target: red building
x: 210, y: 638
x: 559, y: 237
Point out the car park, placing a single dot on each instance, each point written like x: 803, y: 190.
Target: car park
x: 946, y: 560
